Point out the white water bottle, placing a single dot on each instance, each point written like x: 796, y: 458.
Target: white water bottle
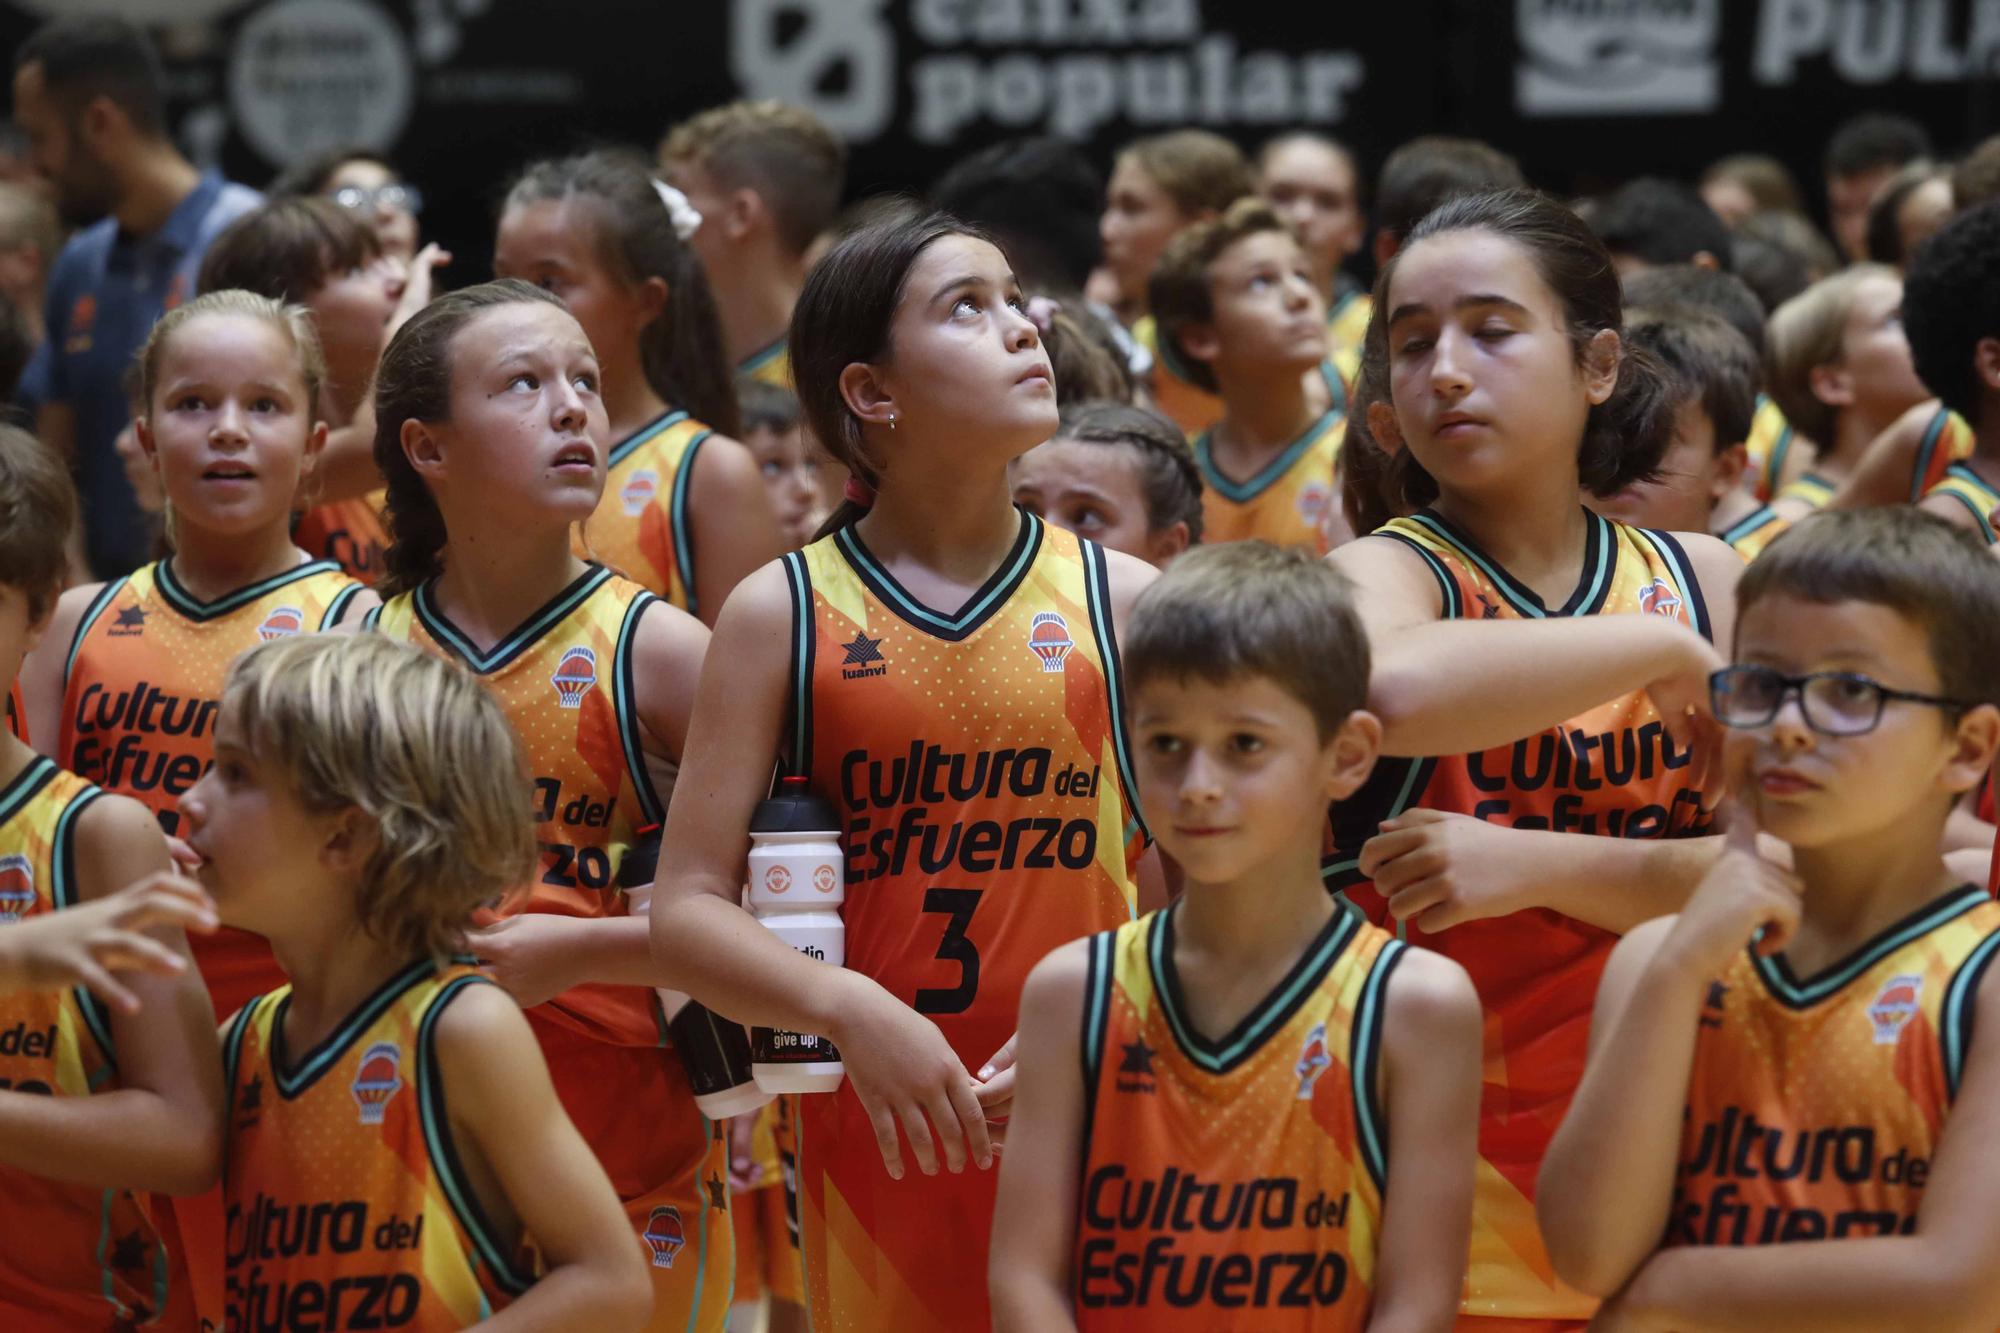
x: 714, y: 1051
x: 796, y: 889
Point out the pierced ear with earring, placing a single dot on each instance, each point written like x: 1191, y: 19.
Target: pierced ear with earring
x: 892, y: 421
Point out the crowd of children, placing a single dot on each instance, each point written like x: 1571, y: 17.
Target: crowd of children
x: 1515, y: 736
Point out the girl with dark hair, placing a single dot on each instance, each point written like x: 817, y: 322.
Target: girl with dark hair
x: 1118, y: 475
x: 489, y: 430
x: 1508, y: 390
x: 943, y: 668
x: 686, y: 513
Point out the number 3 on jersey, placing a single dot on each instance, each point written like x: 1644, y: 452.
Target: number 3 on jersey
x: 957, y: 906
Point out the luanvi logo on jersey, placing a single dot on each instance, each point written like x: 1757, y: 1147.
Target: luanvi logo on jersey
x: 1619, y: 57
x: 863, y: 658
x: 1894, y: 1006
x: 1064, y: 67
x: 130, y: 622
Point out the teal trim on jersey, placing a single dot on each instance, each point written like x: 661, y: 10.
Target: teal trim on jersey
x: 622, y: 450
x: 1271, y: 1013
x: 323, y: 1056
x: 1593, y: 584
x: 760, y: 358
x: 1987, y: 496
x: 336, y: 610
x: 1097, y: 596
x: 701, y: 1250
x: 1453, y: 606
x: 1243, y: 492
x: 188, y: 605
x: 1926, y: 450
x: 990, y: 596
x: 443, y: 1153
x: 804, y: 631
x: 552, y: 613
x: 1961, y: 1006
x: 103, y: 599
x: 1794, y: 993
x: 63, y: 893
x: 677, y: 509
x: 625, y: 707
x: 1364, y: 1063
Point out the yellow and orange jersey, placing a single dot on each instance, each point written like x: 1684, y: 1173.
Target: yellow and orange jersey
x: 351, y: 533
x: 1186, y: 404
x: 1816, y: 1103
x: 1970, y: 489
x: 1750, y: 535
x: 1347, y: 331
x: 564, y: 679
x: 770, y: 365
x: 641, y: 527
x: 77, y: 1257
x: 141, y: 689
x: 1770, y: 446
x: 1811, y: 490
x: 1291, y: 498
x: 1947, y: 439
x: 347, y: 1203
x: 1233, y: 1181
x: 1613, y: 771
x: 978, y: 761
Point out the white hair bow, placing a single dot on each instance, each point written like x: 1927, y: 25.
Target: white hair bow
x: 686, y: 220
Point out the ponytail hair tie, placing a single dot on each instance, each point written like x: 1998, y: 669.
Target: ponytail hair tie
x: 859, y: 492
x: 685, y: 219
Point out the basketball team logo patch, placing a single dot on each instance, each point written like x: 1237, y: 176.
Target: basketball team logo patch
x: 664, y: 1235
x: 574, y: 676
x: 1894, y: 1007
x: 378, y: 1081
x: 1315, y: 503
x: 1048, y: 639
x: 1313, y: 1061
x: 638, y: 491
x: 282, y: 623
x: 17, y: 887
x: 1658, y: 599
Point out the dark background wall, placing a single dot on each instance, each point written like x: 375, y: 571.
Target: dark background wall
x: 1585, y: 92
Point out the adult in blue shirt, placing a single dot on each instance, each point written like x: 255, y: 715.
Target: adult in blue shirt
x: 89, y: 93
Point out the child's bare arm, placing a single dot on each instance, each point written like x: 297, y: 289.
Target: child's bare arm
x: 735, y: 530
x: 1431, y: 1074
x: 1034, y: 1222
x: 504, y: 1108
x: 1939, y: 1279
x: 161, y: 1128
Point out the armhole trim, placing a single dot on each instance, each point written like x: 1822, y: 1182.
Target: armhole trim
x: 1097, y: 592
x: 1675, y: 556
x: 1452, y: 606
x: 798, y: 582
x: 1364, y: 1064
x: 677, y: 513
x: 63, y: 893
x: 336, y: 610
x: 83, y: 626
x: 624, y: 701
x: 1099, y: 973
x: 371, y: 619
x: 1961, y: 1007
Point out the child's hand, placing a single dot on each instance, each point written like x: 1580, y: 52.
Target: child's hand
x: 995, y: 1090
x: 419, y: 280
x: 1681, y: 697
x: 744, y: 1173
x: 1440, y: 870
x: 904, y: 1072
x: 529, y: 955
x: 1741, y: 893
x: 86, y: 944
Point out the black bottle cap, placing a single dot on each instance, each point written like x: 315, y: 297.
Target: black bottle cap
x: 794, y: 808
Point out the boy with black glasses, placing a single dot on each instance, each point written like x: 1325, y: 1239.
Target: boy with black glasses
x: 1805, y: 1055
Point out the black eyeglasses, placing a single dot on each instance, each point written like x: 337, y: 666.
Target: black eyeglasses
x: 406, y: 197
x: 1833, y: 703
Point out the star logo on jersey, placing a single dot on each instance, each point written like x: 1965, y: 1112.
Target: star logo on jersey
x: 718, y: 1193
x: 128, y: 1253
x: 664, y: 1235
x: 864, y: 658
x: 1894, y: 1006
x: 251, y: 1104
x: 1712, y: 1007
x: 1048, y: 639
x: 1658, y: 599
x: 1488, y: 608
x: 1137, y: 1058
x: 131, y: 620
x: 574, y: 676
x: 17, y: 887
x: 378, y: 1081
x: 1313, y: 1061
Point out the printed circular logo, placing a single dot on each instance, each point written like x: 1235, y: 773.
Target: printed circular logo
x: 777, y: 879
x: 664, y: 1235
x: 309, y: 75
x: 826, y: 879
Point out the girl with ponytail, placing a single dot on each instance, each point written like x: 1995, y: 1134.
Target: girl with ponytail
x: 1541, y: 670
x: 931, y: 618
x: 685, y: 510
x: 490, y: 432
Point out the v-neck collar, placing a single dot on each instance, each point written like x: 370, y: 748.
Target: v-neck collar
x: 1243, y: 492
x: 1796, y: 993
x: 1219, y: 1055
x: 295, y: 1078
x: 978, y: 608
x: 186, y: 604
x: 622, y: 450
x: 521, y: 638
x: 1593, y: 584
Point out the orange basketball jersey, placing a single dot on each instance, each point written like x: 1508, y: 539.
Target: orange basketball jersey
x: 1347, y: 330
x: 1233, y: 1181
x: 77, y: 1257
x: 564, y: 679
x: 346, y: 1203
x: 1750, y: 535
x: 1815, y: 1104
x: 1946, y: 440
x: 141, y: 690
x: 351, y: 533
x: 1289, y: 500
x: 1614, y: 771
x: 978, y: 761
x: 770, y: 365
x: 1970, y: 489
x: 1769, y: 446
x: 640, y: 527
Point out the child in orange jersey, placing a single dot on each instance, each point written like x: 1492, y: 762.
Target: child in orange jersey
x: 787, y: 459
x: 931, y: 619
x: 1240, y: 314
x: 396, y: 1156
x: 327, y: 258
x: 1951, y: 307
x: 1808, y: 1055
x: 684, y: 513
x: 122, y: 689
x: 108, y: 1089
x: 1120, y: 476
x: 1838, y: 365
x: 1315, y: 185
x: 491, y: 433
x: 1537, y: 669
x: 1209, y: 1095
